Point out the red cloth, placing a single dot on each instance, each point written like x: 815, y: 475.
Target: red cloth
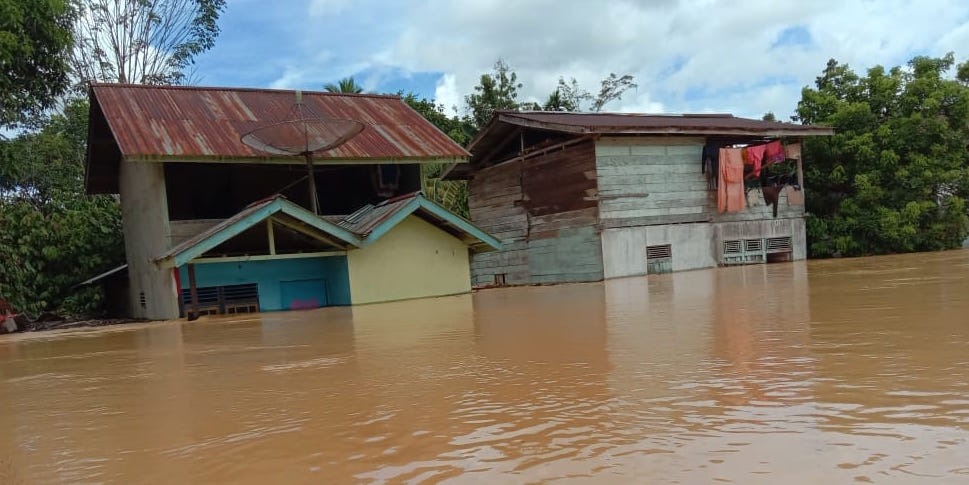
x: 730, y: 192
x: 755, y: 156
x: 774, y: 152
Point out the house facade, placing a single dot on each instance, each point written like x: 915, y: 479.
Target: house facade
x: 585, y: 196
x: 213, y: 225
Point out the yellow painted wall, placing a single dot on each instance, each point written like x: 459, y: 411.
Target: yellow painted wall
x: 414, y: 260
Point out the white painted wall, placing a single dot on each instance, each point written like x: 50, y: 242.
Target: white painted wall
x: 144, y: 212
x: 624, y: 249
x: 794, y: 228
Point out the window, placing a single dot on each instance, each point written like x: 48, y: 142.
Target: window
x: 779, y: 244
x: 659, y: 259
x: 732, y: 247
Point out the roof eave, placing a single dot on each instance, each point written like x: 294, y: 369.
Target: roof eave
x: 289, y: 160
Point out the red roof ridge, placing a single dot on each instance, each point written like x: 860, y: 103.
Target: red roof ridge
x: 398, y: 198
x: 243, y: 89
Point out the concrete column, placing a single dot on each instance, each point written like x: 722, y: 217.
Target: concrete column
x: 144, y: 204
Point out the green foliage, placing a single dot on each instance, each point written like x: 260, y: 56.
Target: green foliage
x: 451, y: 194
x: 612, y: 87
x: 52, y: 236
x: 496, y: 91
x: 346, y: 85
x: 142, y: 41
x: 34, y: 39
x: 568, y: 96
x: 895, y: 176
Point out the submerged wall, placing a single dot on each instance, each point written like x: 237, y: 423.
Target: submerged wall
x: 280, y: 281
x: 653, y: 192
x: 543, y: 209
x: 414, y: 260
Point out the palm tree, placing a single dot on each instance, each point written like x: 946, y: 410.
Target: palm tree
x: 345, y: 85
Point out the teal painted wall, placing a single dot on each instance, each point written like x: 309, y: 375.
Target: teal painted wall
x: 270, y: 275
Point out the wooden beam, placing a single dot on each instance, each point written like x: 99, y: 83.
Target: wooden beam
x: 500, y: 146
x: 193, y: 290
x: 271, y: 236
x: 267, y: 257
x: 800, y: 170
x: 307, y: 232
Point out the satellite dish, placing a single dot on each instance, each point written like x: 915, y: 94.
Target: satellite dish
x: 305, y: 134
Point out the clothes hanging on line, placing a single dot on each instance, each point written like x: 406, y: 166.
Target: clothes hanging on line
x: 730, y: 193
x: 754, y: 156
x: 774, y: 152
x: 711, y: 164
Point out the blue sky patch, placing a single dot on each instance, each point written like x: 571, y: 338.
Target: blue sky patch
x: 797, y: 35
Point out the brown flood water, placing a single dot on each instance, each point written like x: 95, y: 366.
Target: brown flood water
x: 841, y: 370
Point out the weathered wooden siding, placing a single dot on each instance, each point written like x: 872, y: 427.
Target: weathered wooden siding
x: 495, y: 201
x: 659, y: 180
x: 544, y: 210
x: 649, y: 179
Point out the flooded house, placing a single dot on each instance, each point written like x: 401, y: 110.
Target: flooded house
x: 585, y: 196
x: 215, y: 222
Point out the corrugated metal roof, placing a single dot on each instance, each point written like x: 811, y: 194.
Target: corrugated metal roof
x: 202, y: 123
x: 495, y: 137
x: 363, y: 221
x: 660, y: 123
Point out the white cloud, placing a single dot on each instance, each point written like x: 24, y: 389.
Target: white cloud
x: 687, y: 56
x: 446, y: 93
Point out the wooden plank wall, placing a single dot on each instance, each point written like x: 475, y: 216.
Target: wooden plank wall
x: 658, y: 180
x: 495, y: 201
x: 544, y: 210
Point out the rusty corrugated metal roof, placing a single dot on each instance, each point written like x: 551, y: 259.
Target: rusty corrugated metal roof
x: 659, y: 123
x: 202, y: 123
x: 641, y: 124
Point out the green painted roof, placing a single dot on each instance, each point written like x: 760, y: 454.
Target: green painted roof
x: 354, y: 231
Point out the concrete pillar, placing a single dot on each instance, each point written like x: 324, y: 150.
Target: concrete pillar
x: 144, y: 204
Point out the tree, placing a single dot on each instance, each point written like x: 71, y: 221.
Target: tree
x: 495, y: 91
x: 142, y: 41
x: 451, y: 194
x: 568, y: 96
x: 53, y: 235
x: 895, y: 176
x: 346, y: 85
x: 35, y: 37
x: 769, y: 116
x: 612, y: 88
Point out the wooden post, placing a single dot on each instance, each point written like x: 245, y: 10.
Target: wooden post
x: 193, y: 289
x: 800, y: 171
x: 271, y: 235
x: 314, y: 203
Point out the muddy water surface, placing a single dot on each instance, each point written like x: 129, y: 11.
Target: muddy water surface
x: 850, y: 370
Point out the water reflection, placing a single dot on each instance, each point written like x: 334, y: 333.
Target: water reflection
x: 850, y: 370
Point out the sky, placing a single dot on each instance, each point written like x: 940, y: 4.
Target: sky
x: 745, y: 57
